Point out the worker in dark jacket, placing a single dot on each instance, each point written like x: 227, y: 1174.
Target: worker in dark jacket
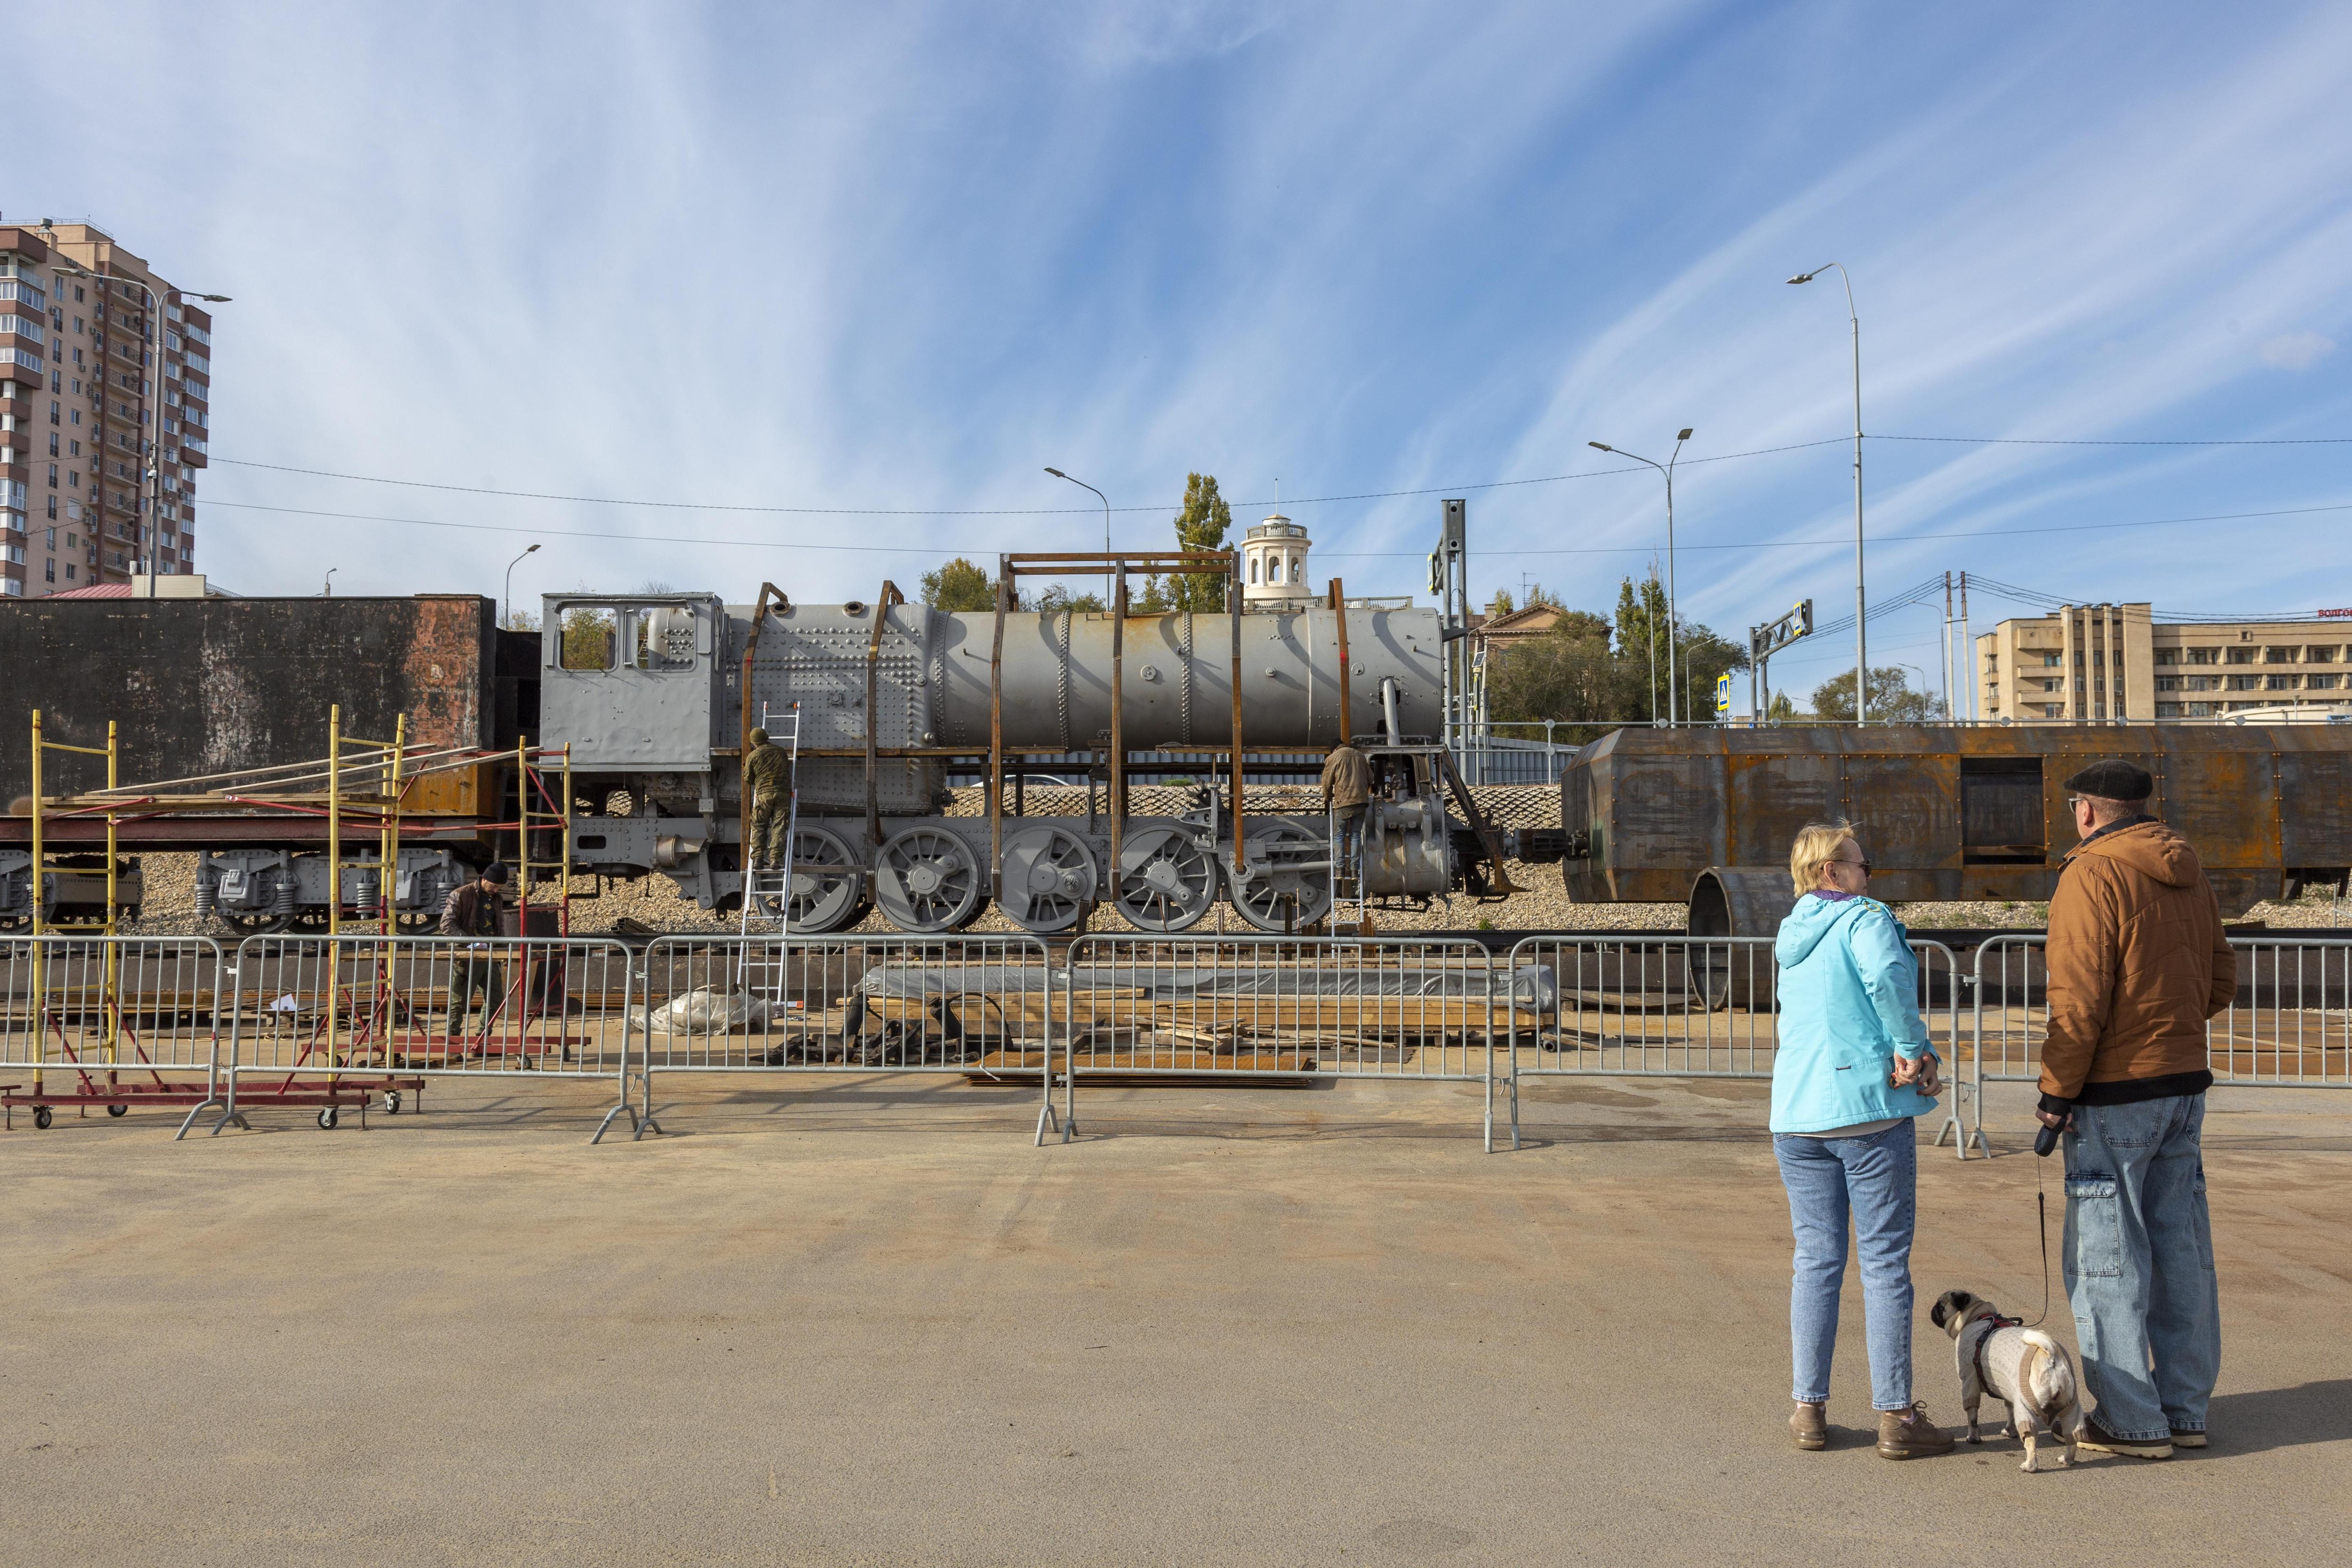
x: 1347, y: 790
x: 767, y: 775
x: 473, y: 911
x: 2137, y: 964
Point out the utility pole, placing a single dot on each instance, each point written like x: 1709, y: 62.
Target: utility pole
x: 1967, y: 648
x: 1950, y: 713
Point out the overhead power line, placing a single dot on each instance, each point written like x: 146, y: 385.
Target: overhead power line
x: 2058, y: 441
x: 1294, y: 500
x: 991, y: 511
x: 944, y: 552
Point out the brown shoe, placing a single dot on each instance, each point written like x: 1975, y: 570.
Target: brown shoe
x: 1810, y: 1425
x: 1909, y: 1435
x: 2093, y: 1438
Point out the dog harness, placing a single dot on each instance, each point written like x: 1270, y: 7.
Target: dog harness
x: 1993, y: 1325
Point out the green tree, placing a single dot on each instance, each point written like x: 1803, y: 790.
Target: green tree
x: 1569, y: 673
x: 1201, y: 525
x: 1500, y: 605
x: 959, y: 586
x: 1703, y: 656
x: 1892, y: 702
x: 588, y: 638
x: 1057, y: 597
x: 1779, y: 709
x: 1699, y: 654
x: 1641, y: 620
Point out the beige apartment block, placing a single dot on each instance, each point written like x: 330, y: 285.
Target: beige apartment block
x: 105, y: 401
x: 2114, y: 661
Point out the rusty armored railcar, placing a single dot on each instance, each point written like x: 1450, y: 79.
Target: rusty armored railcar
x: 200, y: 687
x: 1947, y: 811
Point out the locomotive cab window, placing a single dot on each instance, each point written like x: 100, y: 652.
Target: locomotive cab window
x: 591, y: 637
x: 663, y: 637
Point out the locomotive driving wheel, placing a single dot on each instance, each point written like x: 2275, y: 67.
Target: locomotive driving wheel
x: 926, y: 880
x: 1050, y: 879
x: 1281, y: 894
x: 828, y: 886
x: 1166, y: 881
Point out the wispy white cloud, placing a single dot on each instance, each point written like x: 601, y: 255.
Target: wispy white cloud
x: 2296, y: 351
x: 907, y: 255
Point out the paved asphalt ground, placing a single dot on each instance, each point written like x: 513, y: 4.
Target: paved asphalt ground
x: 865, y: 1322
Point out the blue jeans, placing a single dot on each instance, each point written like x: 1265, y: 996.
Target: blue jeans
x: 2140, y: 1264
x: 1350, y: 846
x: 1875, y: 1180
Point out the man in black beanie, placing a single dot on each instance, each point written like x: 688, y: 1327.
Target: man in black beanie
x: 2137, y: 964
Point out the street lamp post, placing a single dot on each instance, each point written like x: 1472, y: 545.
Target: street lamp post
x: 1674, y: 626
x: 1860, y: 644
x: 1106, y: 501
x: 152, y: 474
x: 518, y: 561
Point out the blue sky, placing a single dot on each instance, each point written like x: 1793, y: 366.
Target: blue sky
x: 899, y: 257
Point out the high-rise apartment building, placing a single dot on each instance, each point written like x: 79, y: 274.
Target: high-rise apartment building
x: 105, y: 399
x: 2114, y: 661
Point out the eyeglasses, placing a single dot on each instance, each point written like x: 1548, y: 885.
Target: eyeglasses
x: 1863, y: 864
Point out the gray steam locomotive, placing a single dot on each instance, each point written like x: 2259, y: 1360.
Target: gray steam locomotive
x: 654, y: 694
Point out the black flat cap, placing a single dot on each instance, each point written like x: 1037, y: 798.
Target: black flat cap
x: 2112, y: 780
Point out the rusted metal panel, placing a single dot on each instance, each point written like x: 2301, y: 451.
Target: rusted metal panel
x: 1912, y: 801
x: 1773, y: 795
x: 2314, y: 808
x: 202, y: 686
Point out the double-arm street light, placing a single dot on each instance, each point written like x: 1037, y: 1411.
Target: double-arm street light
x: 1082, y: 484
x: 1860, y: 642
x: 528, y: 550
x: 1673, y: 701
x: 152, y: 474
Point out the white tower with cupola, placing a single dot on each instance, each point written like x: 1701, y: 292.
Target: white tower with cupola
x: 1273, y: 566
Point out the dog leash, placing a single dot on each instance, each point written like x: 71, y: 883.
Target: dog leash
x: 2042, y: 1213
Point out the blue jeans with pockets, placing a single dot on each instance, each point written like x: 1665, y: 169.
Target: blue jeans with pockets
x: 2139, y: 1265
x: 1875, y: 1181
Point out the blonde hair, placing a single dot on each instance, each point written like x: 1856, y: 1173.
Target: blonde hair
x: 1816, y: 845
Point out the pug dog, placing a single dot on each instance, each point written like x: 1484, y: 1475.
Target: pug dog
x: 2024, y: 1368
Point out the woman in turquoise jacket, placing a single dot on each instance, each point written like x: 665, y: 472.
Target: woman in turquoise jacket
x: 1852, y: 1067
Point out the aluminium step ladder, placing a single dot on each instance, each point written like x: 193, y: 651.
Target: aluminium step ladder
x: 768, y: 889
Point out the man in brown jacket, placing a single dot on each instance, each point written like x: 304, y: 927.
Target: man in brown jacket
x: 2137, y: 964
x: 1347, y: 790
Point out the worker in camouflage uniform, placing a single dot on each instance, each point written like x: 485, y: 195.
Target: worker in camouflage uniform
x: 767, y: 775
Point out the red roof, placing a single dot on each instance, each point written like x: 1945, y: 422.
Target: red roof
x: 95, y: 591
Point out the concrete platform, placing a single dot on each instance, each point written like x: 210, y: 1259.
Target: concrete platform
x: 855, y: 1321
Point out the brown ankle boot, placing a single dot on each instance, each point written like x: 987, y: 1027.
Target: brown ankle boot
x: 1811, y: 1427
x: 1909, y: 1435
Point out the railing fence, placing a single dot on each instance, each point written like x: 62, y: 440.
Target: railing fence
x: 118, y: 1023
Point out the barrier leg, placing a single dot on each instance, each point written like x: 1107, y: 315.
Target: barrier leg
x: 230, y: 1114
x: 644, y: 1118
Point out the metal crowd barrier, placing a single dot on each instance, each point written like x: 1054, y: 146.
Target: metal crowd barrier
x: 328, y: 1021
x: 2289, y: 1026
x: 982, y: 1005
x: 110, y: 1021
x: 1244, y: 1006
x: 1688, y: 1006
